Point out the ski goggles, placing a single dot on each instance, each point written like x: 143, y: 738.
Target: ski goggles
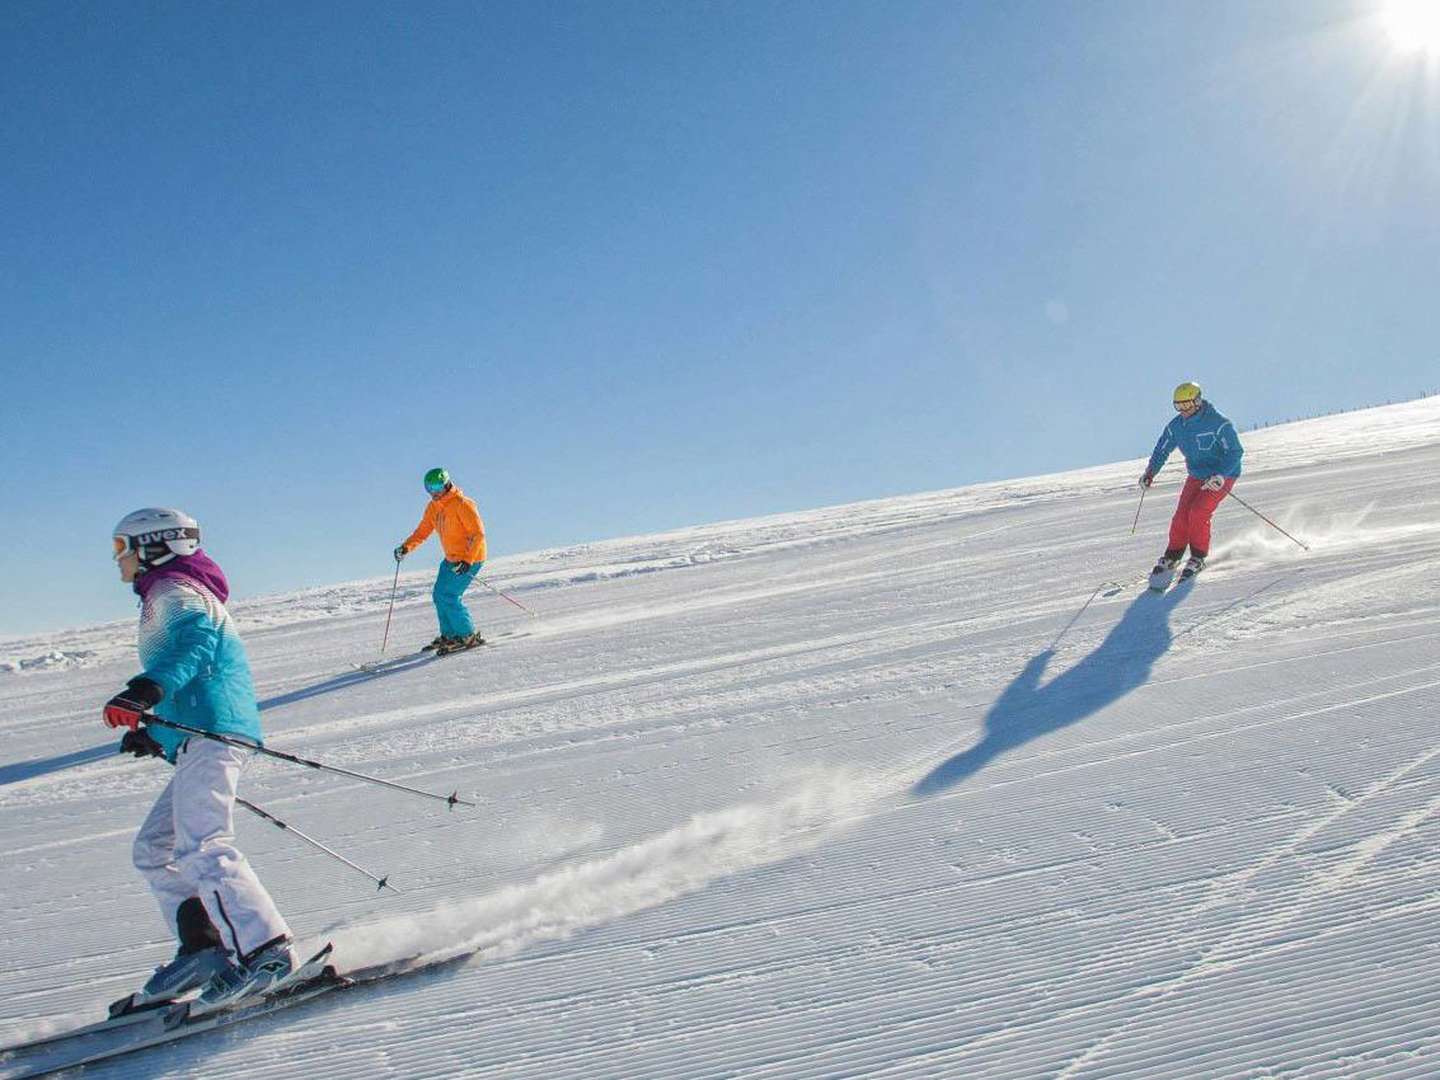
x: 123, y: 545
x: 436, y: 489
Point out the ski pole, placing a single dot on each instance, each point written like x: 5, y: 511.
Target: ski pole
x: 1136, y: 522
x: 1267, y: 521
x: 384, y: 882
x: 1083, y: 608
x: 503, y: 596
x: 451, y: 799
x: 386, y: 639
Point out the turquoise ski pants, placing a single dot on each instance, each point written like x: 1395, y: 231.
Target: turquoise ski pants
x: 449, y: 587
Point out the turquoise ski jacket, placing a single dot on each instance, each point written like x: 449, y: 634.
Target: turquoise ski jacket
x: 188, y: 645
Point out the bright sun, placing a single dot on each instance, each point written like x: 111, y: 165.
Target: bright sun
x: 1413, y: 24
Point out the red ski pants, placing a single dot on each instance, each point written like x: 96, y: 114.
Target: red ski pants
x: 1191, y: 523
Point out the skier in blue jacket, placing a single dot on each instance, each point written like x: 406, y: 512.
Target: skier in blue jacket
x: 233, y: 940
x: 1212, y: 451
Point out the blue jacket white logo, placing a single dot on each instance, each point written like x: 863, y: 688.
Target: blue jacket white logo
x: 1207, y: 441
x: 189, y: 646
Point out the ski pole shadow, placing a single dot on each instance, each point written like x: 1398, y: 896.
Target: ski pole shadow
x: 349, y: 679
x: 26, y: 770
x: 1025, y: 710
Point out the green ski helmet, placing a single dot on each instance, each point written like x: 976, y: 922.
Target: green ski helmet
x: 436, y: 480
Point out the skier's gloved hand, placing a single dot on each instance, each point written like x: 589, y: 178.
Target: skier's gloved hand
x: 400, y: 552
x: 126, y: 708
x: 461, y: 567
x: 1214, y: 483
x: 140, y: 744
x: 1147, y: 478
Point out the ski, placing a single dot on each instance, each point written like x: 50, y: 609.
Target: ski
x: 453, y: 649
x: 370, y: 666
x: 164, y: 1022
x: 132, y: 1015
x: 150, y: 1030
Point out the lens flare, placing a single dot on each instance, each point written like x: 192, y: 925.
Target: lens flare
x: 1413, y: 24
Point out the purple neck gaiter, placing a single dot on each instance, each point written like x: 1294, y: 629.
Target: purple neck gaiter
x: 198, y: 568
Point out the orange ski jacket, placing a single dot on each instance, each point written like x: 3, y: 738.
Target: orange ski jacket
x: 462, y: 533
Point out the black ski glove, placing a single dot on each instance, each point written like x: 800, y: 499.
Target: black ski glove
x: 140, y: 744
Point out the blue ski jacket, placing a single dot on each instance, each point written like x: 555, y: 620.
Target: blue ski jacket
x: 188, y: 645
x: 1207, y: 440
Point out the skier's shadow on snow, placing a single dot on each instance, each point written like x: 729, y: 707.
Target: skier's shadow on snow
x: 27, y: 770
x: 350, y: 678
x: 1026, y: 710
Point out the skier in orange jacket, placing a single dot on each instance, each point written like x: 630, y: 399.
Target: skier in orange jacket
x: 462, y: 536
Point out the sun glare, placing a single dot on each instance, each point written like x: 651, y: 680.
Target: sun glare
x: 1413, y: 24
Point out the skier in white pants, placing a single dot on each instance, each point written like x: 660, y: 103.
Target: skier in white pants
x: 233, y: 940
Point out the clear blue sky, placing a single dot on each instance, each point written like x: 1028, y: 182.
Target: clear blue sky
x: 629, y: 266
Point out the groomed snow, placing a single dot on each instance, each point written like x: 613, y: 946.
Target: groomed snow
x: 837, y: 793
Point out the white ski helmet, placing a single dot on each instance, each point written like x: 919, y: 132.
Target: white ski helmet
x: 157, y: 534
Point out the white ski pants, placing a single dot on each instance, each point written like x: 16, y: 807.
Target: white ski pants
x: 186, y: 847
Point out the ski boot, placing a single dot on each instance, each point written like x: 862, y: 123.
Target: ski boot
x: 188, y: 971
x: 1193, y: 566
x: 434, y: 645
x: 199, y: 957
x: 459, y: 644
x: 1164, y: 572
x: 272, y: 963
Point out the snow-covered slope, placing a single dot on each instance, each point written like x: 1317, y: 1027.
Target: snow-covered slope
x: 844, y: 792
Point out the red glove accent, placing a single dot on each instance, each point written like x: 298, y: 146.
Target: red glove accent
x: 119, y: 715
x: 127, y: 707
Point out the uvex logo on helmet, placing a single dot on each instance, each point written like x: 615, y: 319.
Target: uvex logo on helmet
x: 160, y: 536
x: 156, y: 535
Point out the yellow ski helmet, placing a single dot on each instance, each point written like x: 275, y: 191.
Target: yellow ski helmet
x: 1187, y: 392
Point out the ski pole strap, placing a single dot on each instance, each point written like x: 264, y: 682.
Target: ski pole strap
x: 452, y: 800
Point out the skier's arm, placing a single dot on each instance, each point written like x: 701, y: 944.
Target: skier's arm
x: 1229, y: 442
x: 474, y: 532
x: 1163, y: 448
x: 423, y: 530
x: 190, y: 640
